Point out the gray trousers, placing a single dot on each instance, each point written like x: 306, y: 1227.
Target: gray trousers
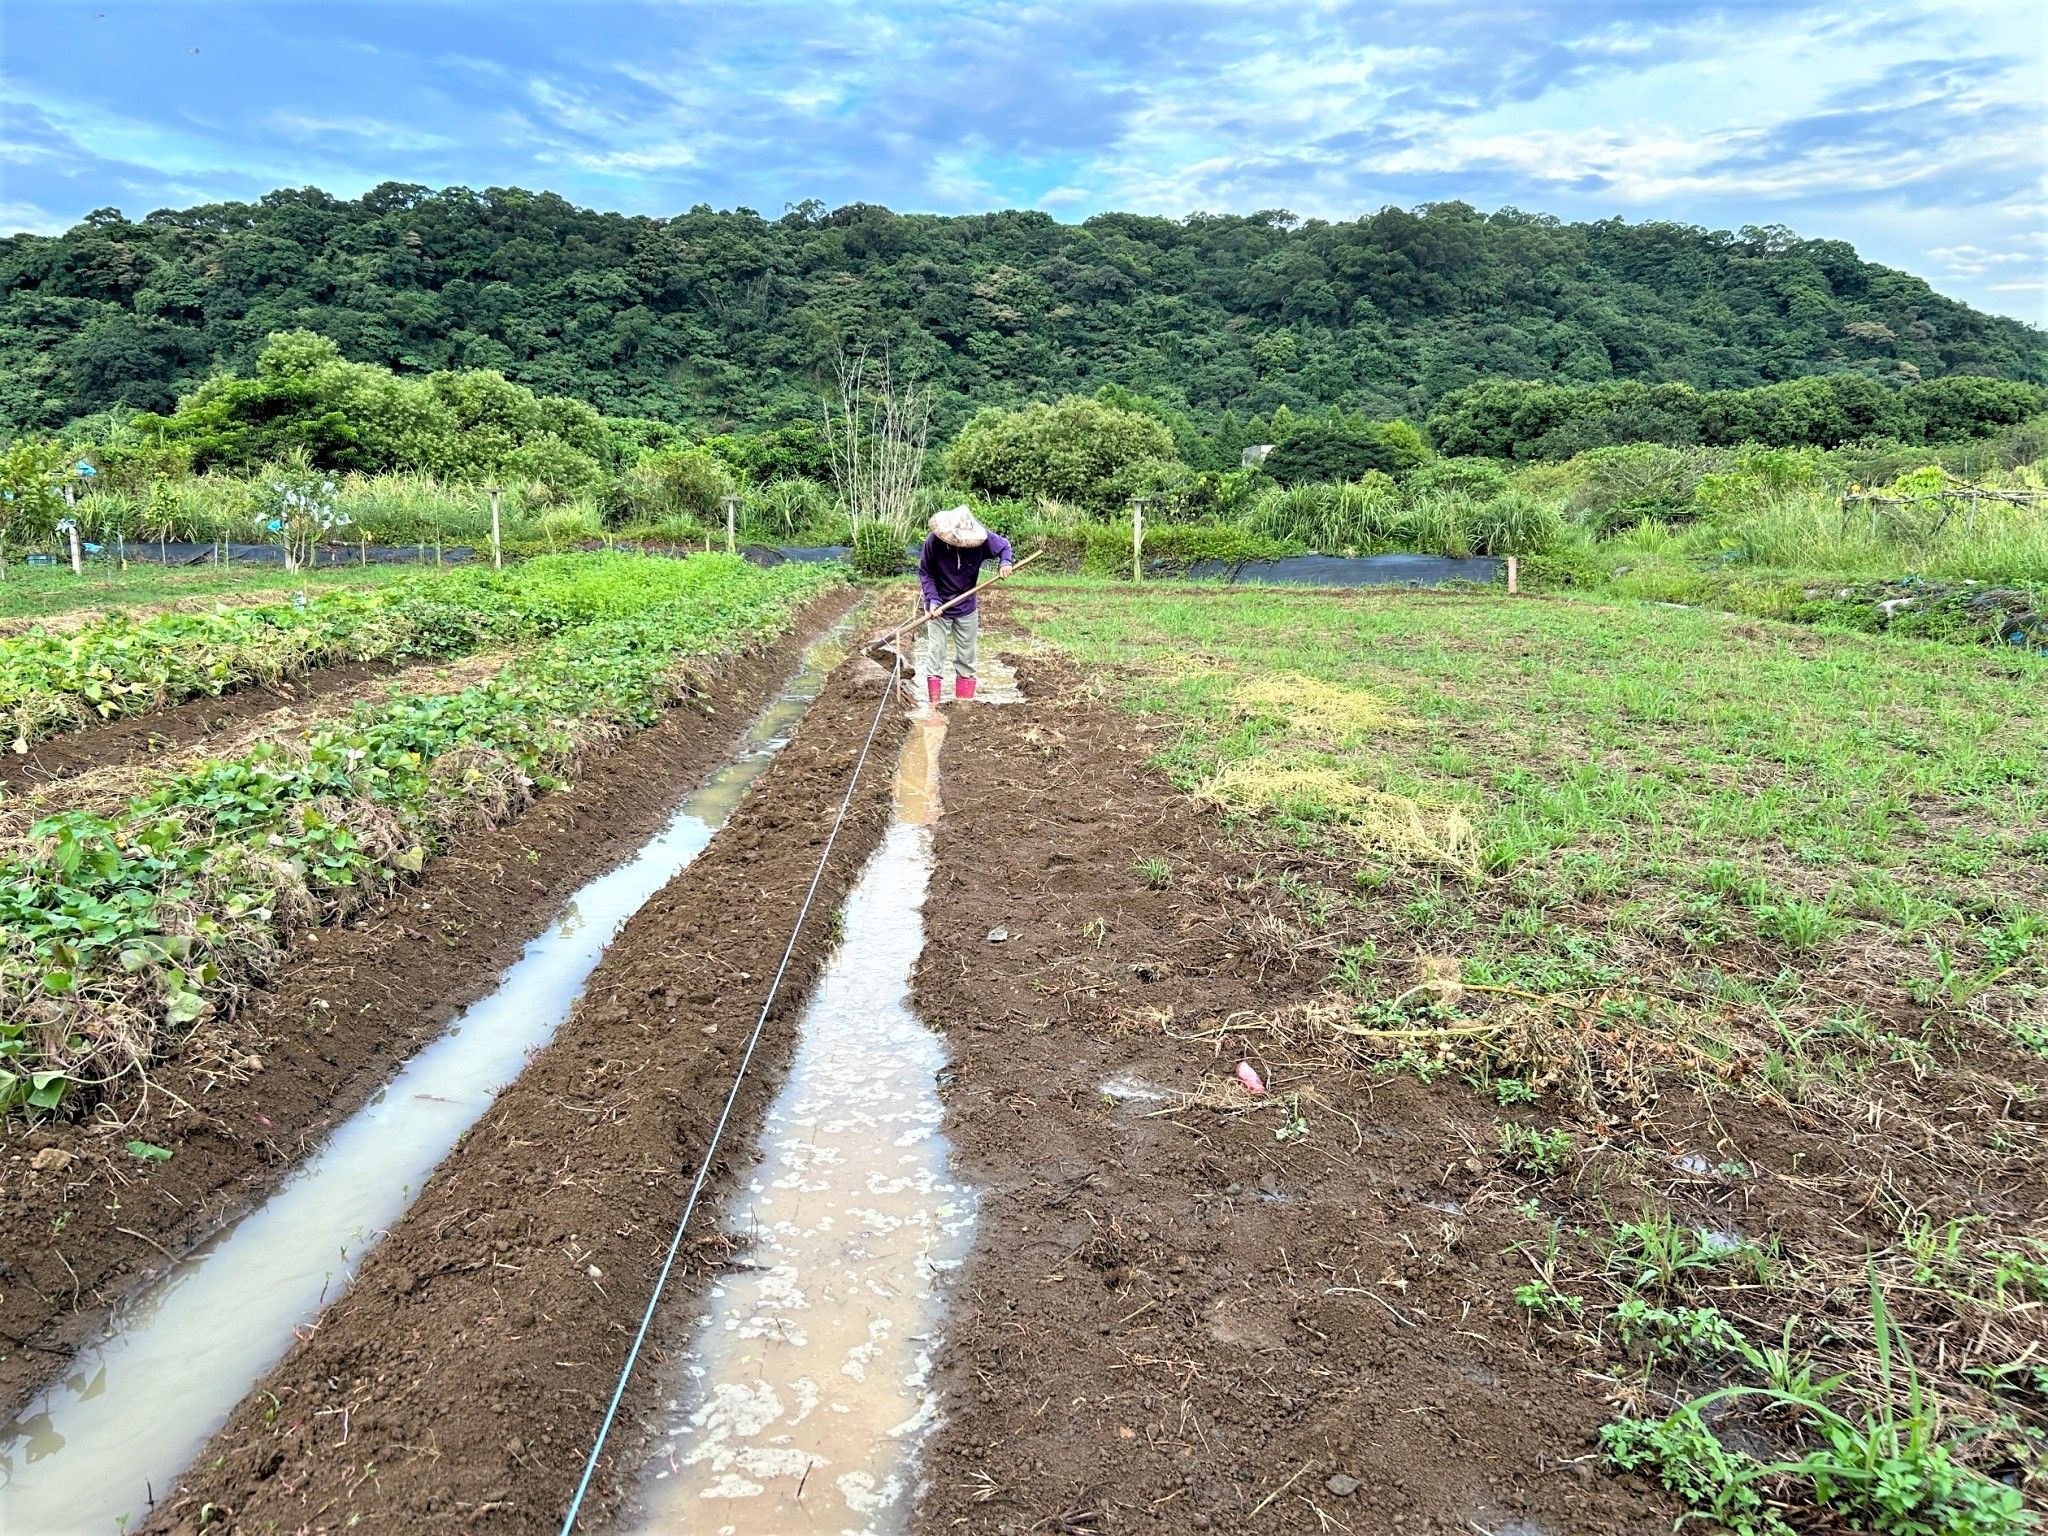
x: 965, y: 630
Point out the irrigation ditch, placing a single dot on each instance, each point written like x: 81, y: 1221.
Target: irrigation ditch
x: 82, y: 1224
x: 461, y: 1376
x: 232, y: 1307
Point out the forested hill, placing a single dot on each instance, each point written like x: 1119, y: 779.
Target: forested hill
x: 712, y: 318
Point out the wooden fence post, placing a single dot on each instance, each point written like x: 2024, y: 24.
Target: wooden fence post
x: 732, y: 507
x: 1138, y: 538
x: 497, y: 551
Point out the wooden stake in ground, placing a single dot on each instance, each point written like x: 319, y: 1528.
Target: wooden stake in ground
x: 1512, y: 589
x: 497, y: 551
x: 732, y: 507
x: 1138, y: 538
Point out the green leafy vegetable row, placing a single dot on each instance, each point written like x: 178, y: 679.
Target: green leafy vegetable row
x: 123, y: 665
x: 123, y: 929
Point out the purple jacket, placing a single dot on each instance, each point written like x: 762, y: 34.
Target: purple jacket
x: 946, y: 570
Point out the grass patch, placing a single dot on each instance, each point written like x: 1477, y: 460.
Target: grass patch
x: 1777, y: 893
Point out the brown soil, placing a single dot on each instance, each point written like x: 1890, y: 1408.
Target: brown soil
x: 479, y: 1344
x: 239, y: 1109
x: 181, y: 725
x: 1174, y: 1319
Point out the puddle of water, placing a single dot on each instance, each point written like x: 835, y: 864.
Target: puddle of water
x: 806, y: 1393
x: 138, y: 1406
x: 1134, y: 1090
x: 995, y: 680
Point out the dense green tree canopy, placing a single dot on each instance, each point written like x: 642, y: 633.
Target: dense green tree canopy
x: 1522, y: 419
x: 463, y: 424
x: 1340, y: 447
x: 713, y: 319
x: 1084, y: 452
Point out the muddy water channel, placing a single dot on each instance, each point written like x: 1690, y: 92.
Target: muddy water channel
x: 803, y: 1400
x: 88, y: 1453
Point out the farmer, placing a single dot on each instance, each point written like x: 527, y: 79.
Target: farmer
x: 949, y: 565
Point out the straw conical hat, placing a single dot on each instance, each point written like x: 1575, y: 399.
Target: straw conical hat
x: 959, y: 526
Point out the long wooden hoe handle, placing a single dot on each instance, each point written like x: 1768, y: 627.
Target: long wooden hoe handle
x: 940, y: 612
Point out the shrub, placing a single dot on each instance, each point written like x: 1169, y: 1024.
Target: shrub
x: 1477, y: 478
x: 555, y: 471
x: 877, y: 551
x: 568, y: 526
x: 1620, y: 486
x: 689, y: 482
x: 1080, y: 450
x: 1331, y: 448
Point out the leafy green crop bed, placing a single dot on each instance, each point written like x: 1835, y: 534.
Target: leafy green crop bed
x: 122, y: 665
x: 121, y: 930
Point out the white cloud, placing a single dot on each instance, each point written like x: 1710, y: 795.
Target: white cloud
x: 653, y: 157
x: 571, y: 108
x: 28, y: 219
x: 376, y: 132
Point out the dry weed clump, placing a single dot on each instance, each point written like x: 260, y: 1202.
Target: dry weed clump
x: 1381, y: 823
x: 1308, y: 705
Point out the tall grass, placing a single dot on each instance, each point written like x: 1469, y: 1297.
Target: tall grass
x: 1362, y: 517
x: 793, y: 511
x: 1372, y: 516
x: 1812, y: 530
x: 384, y: 509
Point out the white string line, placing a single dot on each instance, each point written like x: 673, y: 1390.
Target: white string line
x: 731, y: 1098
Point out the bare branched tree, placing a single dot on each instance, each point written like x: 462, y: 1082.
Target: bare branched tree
x: 878, y: 434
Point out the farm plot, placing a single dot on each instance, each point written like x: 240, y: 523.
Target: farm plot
x: 303, y: 1012
x: 1649, y: 1014
x: 121, y: 664
x: 478, y: 1343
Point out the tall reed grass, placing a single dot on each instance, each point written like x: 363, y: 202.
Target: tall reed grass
x: 1813, y: 530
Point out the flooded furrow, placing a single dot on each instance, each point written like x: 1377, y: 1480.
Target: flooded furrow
x: 802, y: 1402
x: 88, y: 1453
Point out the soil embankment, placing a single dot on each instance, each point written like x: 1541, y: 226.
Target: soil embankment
x: 460, y: 1380
x: 1189, y: 1309
x: 131, y: 764
x: 192, y: 722
x: 82, y: 1223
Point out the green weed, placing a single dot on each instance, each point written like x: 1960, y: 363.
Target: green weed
x: 1540, y: 1154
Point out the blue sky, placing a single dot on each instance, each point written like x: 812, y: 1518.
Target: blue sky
x: 1916, y: 129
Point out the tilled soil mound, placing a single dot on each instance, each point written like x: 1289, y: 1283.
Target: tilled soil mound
x: 480, y: 1342
x: 178, y: 725
x: 82, y: 1223
x: 1180, y: 1314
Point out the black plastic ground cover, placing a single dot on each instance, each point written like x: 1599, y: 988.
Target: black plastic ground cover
x: 1343, y: 571
x: 172, y: 553
x: 803, y: 554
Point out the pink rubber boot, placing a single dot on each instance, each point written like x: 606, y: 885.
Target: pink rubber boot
x: 932, y: 685
x: 963, y: 689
